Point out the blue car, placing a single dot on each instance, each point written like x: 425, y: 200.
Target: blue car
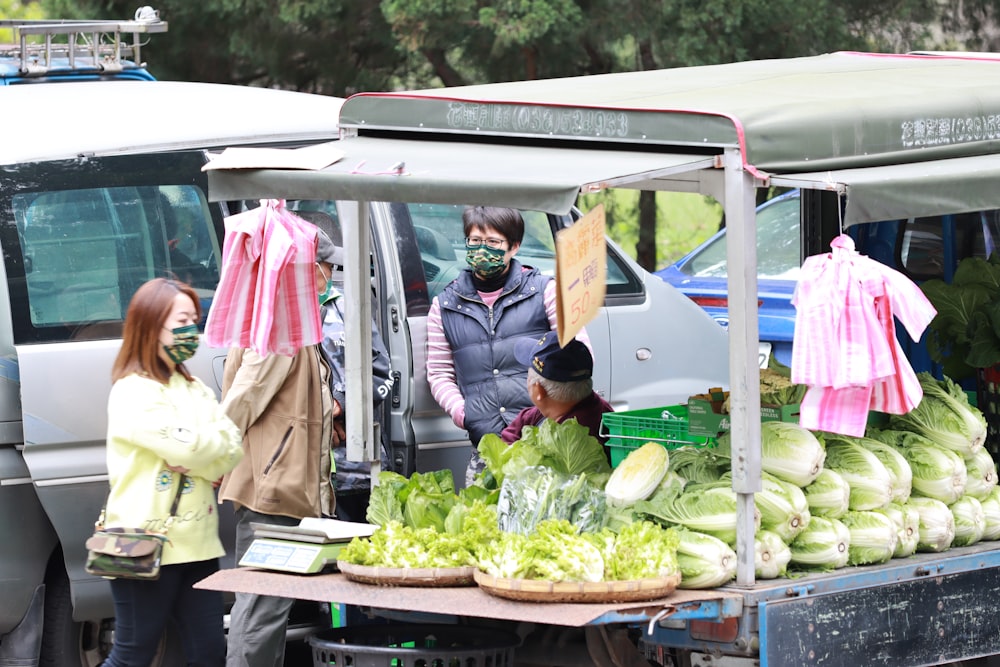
x: 920, y: 248
x: 702, y: 275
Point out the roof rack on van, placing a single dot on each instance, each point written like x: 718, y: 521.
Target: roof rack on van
x: 85, y: 44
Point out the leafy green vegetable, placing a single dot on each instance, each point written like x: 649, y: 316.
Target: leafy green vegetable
x: 874, y: 537
x: 777, y: 388
x: 945, y: 416
x: 783, y: 507
x: 900, y: 474
x: 823, y: 545
x: 384, y: 506
x: 788, y: 451
x: 982, y: 474
x: 965, y: 334
x: 554, y: 552
x: 708, y: 508
x: 638, y: 475
x: 871, y: 485
x: 937, y: 472
x: 538, y: 493
x: 565, y: 447
x: 828, y: 495
x: 396, y: 545
x: 907, y: 521
x: 970, y: 521
x: 771, y: 555
x: 937, y: 524
x: 699, y: 464
x: 423, y: 500
x: 991, y: 514
x: 705, y: 561
x: 641, y: 550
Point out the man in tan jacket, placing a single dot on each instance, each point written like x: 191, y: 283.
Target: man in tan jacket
x: 285, y: 409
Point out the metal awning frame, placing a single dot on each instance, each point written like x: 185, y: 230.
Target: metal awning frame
x: 444, y: 172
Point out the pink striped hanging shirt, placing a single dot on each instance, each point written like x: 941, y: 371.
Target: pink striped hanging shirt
x: 845, y: 345
x: 266, y: 298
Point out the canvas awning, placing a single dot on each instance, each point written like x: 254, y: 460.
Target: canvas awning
x: 901, y: 191
x: 446, y: 172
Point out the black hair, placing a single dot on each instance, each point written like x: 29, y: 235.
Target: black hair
x: 507, y: 221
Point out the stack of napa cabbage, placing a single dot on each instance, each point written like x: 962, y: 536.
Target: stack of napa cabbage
x: 923, y: 483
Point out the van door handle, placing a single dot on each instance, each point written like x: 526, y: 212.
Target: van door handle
x: 397, y: 379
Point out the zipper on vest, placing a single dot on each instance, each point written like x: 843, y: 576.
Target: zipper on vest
x: 277, y: 452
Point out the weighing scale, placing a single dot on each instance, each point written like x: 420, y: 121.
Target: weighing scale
x: 308, y: 548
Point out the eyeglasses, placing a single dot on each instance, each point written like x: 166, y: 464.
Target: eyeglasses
x: 473, y: 242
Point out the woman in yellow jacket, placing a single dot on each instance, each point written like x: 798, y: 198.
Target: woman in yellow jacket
x: 166, y: 428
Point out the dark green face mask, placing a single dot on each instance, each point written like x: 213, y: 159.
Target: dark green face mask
x: 184, y: 345
x: 485, y: 261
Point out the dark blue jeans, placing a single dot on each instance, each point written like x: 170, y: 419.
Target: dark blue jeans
x: 144, y: 608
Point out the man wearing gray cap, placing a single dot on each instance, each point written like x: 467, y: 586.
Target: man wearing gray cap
x: 285, y: 408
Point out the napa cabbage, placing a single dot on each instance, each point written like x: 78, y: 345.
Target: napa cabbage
x: 698, y: 465
x: 788, y: 451
x: 900, y: 474
x: 771, y: 555
x: 907, y: 521
x: 823, y: 545
x: 829, y: 495
x: 873, y: 537
x: 705, y: 561
x: 937, y: 524
x: 938, y: 472
x: 991, y: 514
x: 982, y: 474
x: 708, y: 508
x: 638, y: 475
x: 970, y: 521
x: 870, y: 482
x: 945, y: 416
x: 783, y: 507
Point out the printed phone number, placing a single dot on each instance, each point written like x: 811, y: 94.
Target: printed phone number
x: 509, y: 117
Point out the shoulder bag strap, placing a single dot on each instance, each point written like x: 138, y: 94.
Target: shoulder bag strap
x: 99, y: 524
x: 173, y: 507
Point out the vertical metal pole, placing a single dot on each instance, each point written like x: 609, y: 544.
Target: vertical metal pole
x: 358, y: 333
x: 744, y: 372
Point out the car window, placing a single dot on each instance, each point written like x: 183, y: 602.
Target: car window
x: 778, y: 245
x: 86, y: 251
x: 438, y: 231
x: 925, y: 242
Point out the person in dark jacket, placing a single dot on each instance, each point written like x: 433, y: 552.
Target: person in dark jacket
x: 477, y: 319
x: 560, y: 385
x: 352, y: 479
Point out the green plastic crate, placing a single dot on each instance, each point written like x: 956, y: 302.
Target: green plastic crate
x: 632, y: 429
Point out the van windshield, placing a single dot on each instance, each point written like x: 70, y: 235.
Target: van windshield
x: 85, y: 252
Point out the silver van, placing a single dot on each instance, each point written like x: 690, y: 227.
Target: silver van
x: 104, y: 190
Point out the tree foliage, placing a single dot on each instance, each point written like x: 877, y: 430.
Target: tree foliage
x: 340, y: 47
x: 16, y: 9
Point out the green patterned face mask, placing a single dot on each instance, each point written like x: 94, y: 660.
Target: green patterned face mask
x: 327, y: 292
x: 184, y: 345
x: 487, y: 262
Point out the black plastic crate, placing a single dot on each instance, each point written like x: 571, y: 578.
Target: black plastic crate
x: 413, y: 646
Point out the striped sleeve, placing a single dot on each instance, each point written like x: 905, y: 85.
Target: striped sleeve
x: 441, y: 368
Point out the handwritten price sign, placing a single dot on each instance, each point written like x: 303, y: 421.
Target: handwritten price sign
x: 581, y: 273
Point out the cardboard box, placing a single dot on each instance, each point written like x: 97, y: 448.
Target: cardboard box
x: 705, y: 417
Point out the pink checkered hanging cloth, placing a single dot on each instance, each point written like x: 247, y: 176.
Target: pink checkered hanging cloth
x: 266, y: 299
x: 845, y: 347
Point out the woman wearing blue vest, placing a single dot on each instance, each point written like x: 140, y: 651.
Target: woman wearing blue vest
x: 476, y: 321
